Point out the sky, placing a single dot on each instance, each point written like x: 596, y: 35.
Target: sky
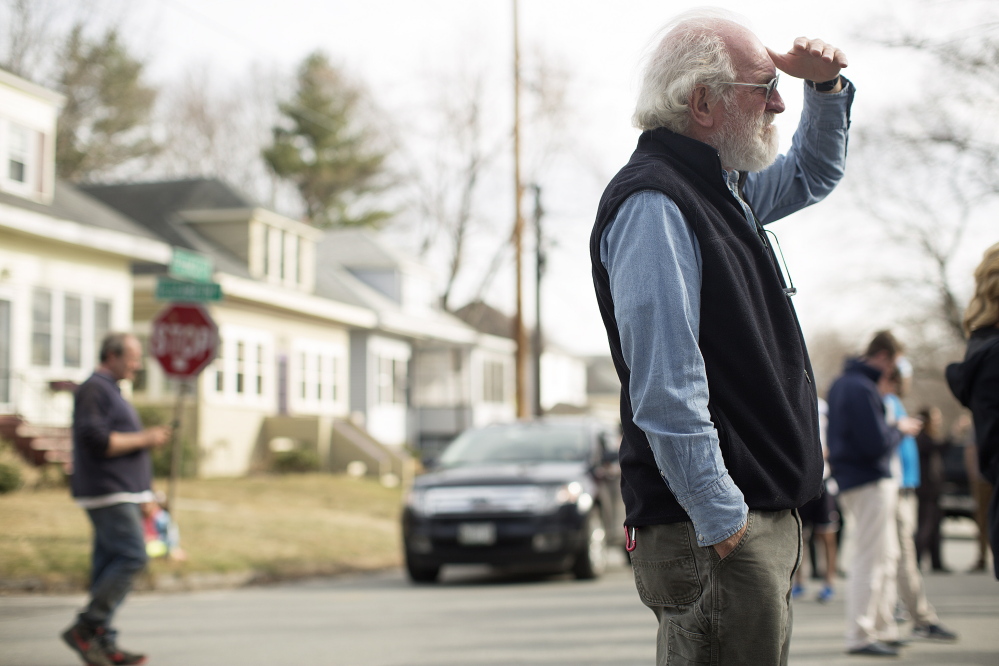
x: 401, y: 49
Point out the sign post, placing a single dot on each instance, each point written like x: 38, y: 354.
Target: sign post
x: 184, y: 341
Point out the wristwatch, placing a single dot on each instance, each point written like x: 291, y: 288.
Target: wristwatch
x: 823, y: 86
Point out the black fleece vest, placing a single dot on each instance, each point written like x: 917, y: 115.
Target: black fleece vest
x: 762, y: 399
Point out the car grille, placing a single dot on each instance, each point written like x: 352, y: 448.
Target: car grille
x: 484, y: 499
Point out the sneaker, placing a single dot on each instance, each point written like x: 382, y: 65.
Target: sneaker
x: 118, y: 656
x: 875, y: 649
x: 86, y: 642
x: 901, y: 613
x: 797, y: 591
x: 933, y: 632
x: 826, y: 595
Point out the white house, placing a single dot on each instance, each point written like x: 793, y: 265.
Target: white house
x: 65, y: 264
x: 422, y: 375
x: 326, y: 338
x: 283, y: 368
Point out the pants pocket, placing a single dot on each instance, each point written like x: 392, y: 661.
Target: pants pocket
x: 664, y: 567
x: 686, y: 648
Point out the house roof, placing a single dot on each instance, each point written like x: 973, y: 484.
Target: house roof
x: 69, y: 204
x: 156, y: 206
x: 362, y: 248
x: 335, y: 280
x: 485, y: 318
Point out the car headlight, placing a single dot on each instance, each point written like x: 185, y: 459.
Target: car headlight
x: 416, y: 501
x: 570, y: 493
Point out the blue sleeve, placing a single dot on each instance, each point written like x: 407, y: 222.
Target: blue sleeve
x: 815, y: 163
x: 872, y: 436
x: 654, y: 263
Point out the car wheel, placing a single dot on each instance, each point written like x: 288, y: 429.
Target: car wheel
x: 592, y: 560
x: 422, y: 574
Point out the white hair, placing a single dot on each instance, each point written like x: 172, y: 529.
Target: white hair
x: 689, y: 53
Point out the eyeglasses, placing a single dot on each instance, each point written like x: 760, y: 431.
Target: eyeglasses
x: 770, y: 87
x: 789, y: 287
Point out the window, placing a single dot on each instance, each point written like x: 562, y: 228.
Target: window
x: 18, y: 153
x: 240, y: 366
x: 41, y: 327
x: 280, y: 254
x: 290, y: 255
x: 102, y: 324
x: 72, y: 332
x: 260, y: 369
x: 267, y: 250
x: 219, y: 363
x: 493, y: 385
x: 303, y: 369
x: 4, y: 351
x: 313, y: 382
x: 392, y: 384
x: 320, y: 377
x: 334, y: 384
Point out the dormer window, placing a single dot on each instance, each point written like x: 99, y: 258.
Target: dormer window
x: 17, y: 154
x: 19, y: 162
x: 285, y: 256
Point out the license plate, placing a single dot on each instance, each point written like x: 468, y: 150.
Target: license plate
x: 476, y: 534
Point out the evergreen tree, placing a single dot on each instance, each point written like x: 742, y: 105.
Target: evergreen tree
x: 327, y: 150
x: 105, y: 122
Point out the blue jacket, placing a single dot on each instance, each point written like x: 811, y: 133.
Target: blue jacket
x: 98, y: 410
x: 860, y: 441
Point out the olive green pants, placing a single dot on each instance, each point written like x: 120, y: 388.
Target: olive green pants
x: 720, y: 611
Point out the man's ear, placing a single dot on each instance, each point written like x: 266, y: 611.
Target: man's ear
x: 702, y: 106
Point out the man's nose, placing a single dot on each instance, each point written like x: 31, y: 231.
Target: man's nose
x: 776, y: 103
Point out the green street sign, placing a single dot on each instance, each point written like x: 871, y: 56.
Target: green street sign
x: 190, y: 292
x: 187, y: 265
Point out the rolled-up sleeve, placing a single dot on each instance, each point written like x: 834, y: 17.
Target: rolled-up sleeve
x: 814, y: 164
x: 91, y: 419
x: 653, y: 260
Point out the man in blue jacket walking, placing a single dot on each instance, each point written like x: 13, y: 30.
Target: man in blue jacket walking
x: 112, y: 476
x: 861, y: 446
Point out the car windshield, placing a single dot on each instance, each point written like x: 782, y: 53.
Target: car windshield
x: 534, y: 443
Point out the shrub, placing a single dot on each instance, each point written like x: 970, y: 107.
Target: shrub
x: 10, y: 478
x: 295, y: 460
x: 163, y: 459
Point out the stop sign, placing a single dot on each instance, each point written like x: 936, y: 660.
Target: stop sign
x: 184, y: 339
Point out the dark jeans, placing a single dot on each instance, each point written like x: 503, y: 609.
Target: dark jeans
x: 119, y: 555
x: 929, y: 538
x: 723, y: 612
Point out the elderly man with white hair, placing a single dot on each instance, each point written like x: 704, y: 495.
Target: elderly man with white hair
x: 718, y: 403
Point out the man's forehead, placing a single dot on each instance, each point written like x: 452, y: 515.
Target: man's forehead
x: 749, y: 55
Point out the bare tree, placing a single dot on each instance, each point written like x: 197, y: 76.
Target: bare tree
x: 459, y: 207
x: 928, y: 173
x: 26, y: 42
x: 447, y: 178
x: 217, y: 130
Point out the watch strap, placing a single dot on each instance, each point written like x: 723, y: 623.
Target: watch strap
x: 823, y: 86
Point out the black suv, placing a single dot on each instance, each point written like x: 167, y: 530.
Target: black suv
x: 533, y: 493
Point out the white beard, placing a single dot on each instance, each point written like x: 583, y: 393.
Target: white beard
x: 748, y: 144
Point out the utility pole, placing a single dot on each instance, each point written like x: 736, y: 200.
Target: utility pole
x: 539, y: 269
x: 520, y: 336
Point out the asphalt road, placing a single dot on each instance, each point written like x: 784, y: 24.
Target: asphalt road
x: 473, y: 618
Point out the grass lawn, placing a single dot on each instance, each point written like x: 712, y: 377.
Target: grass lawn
x: 271, y: 526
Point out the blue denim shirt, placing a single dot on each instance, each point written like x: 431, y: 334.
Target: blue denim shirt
x: 651, y: 249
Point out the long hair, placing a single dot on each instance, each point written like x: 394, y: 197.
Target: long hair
x: 983, y: 310
x: 689, y: 54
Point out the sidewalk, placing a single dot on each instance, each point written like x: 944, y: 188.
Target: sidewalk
x: 966, y: 603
